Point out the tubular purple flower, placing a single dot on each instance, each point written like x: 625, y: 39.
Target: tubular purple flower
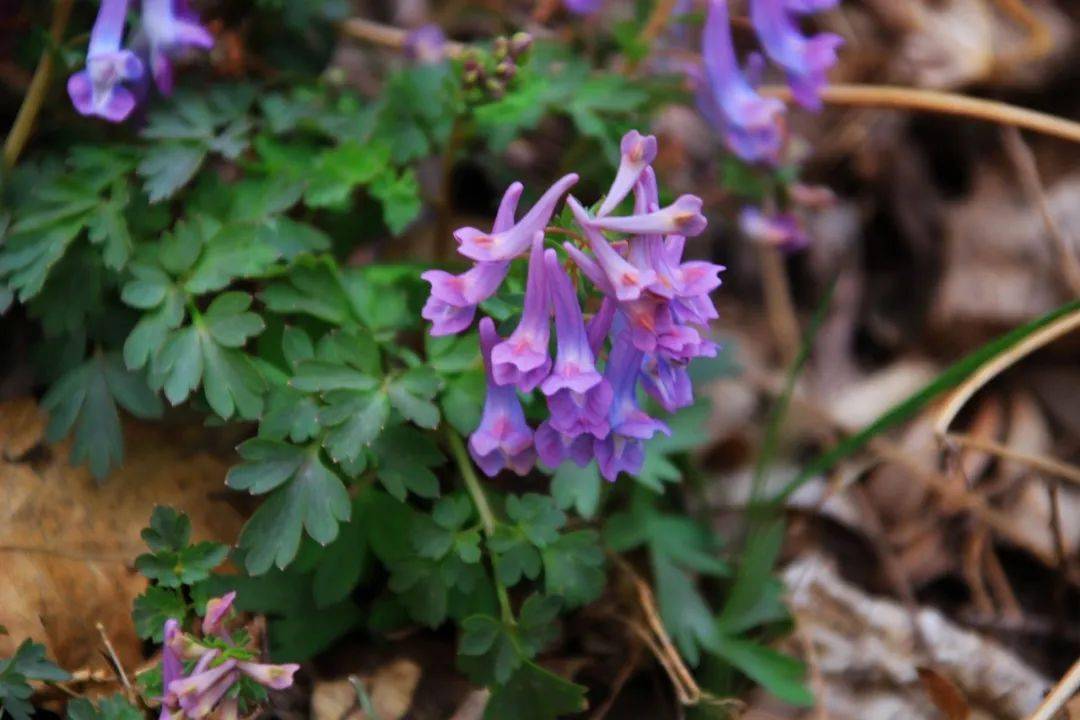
x: 426, y: 44
x: 503, y: 438
x: 185, y: 689
x: 750, y: 123
x: 98, y: 90
x: 590, y: 269
x: 575, y: 366
x: 511, y: 242
x: 452, y: 304
x: 523, y: 359
x: 683, y: 217
x: 806, y: 60
x: 216, y: 611
x: 555, y: 447
x: 275, y: 677
x: 600, y: 325
x: 171, y: 666
x: 171, y: 28
x: 809, y: 7
x: 623, y: 449
x: 667, y: 382
x: 637, y: 153
x: 583, y: 7
x: 782, y: 231
x: 201, y: 705
x: 627, y: 280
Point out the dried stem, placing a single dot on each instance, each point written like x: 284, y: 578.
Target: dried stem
x: 779, y: 307
x: 945, y: 103
x: 1024, y: 162
x: 39, y: 85
x: 388, y: 35
x: 1059, y: 695
x: 116, y: 663
x: 1058, y: 328
x: 1041, y: 463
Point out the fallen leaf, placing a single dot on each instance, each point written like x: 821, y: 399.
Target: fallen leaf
x: 944, y: 694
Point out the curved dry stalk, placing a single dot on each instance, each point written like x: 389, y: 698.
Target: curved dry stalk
x: 20, y: 131
x: 1059, y: 695
x: 1056, y: 329
x: 387, y: 35
x: 944, y: 103
x: 1050, y: 466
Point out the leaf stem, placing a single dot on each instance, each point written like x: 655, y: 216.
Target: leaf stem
x: 483, y: 507
x: 945, y: 103
x: 39, y: 85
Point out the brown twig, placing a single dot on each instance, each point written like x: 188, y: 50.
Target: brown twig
x: 129, y: 691
x: 779, y: 307
x: 1024, y: 161
x: 936, y: 101
x: 1047, y: 465
x: 388, y: 35
x: 39, y: 85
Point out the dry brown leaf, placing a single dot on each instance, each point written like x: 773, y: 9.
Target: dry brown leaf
x: 22, y: 427
x: 390, y: 687
x: 67, y: 546
x: 944, y: 694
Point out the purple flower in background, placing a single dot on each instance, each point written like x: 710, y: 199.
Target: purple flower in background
x: 783, y: 231
x: 426, y: 44
x: 513, y: 241
x: 750, y: 124
x: 583, y: 7
x: 99, y: 90
x: 503, y: 439
x: 624, y: 449
x: 171, y: 28
x: 637, y: 153
x: 808, y: 7
x: 806, y: 60
x: 452, y: 304
x: 522, y: 359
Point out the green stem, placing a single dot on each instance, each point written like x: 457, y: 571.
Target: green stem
x: 483, y: 507
x: 39, y: 85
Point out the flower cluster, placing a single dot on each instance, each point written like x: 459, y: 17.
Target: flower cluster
x: 651, y: 321
x: 752, y: 125
x: 215, y: 665
x: 115, y: 75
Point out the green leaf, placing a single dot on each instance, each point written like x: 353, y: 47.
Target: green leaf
x: 687, y: 432
x: 236, y: 251
x: 405, y: 457
x: 311, y: 498
x: 536, y: 516
x: 153, y: 608
x: 166, y: 168
x: 462, y: 401
x: 782, y: 675
x: 578, y: 488
x: 28, y: 663
x: 574, y: 567
x: 686, y: 614
x: 340, y: 170
x: 343, y: 562
x: 411, y: 394
x: 533, y: 693
x: 747, y: 594
x: 86, y: 398
x: 114, y: 707
x: 400, y: 198
x: 228, y: 321
x: 186, y: 567
x: 355, y: 419
x: 168, y: 530
x: 109, y: 227
x: 311, y: 288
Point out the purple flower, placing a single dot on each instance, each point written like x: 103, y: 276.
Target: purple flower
x: 199, y: 706
x: 503, y: 439
x: 750, y: 123
x: 274, y: 677
x: 98, y: 90
x: 806, y: 60
x: 554, y: 447
x: 217, y: 609
x: 426, y: 44
x: 171, y: 666
x: 781, y: 231
x: 638, y: 151
x: 523, y: 359
x: 192, y: 688
x: 683, y: 217
x: 575, y: 366
x: 452, y: 304
x: 171, y: 28
x: 667, y: 382
x: 808, y: 7
x: 624, y: 449
x: 627, y: 280
x: 600, y: 325
x: 511, y: 242
x: 583, y: 7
